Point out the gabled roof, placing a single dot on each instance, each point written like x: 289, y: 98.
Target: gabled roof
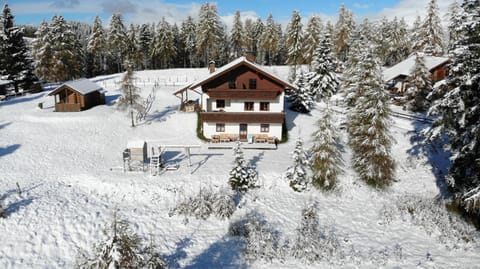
x: 405, y: 67
x: 236, y: 63
x: 82, y: 86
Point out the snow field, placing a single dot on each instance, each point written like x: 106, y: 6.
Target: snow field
x: 69, y: 167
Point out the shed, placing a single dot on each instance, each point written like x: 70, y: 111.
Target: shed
x: 78, y: 95
x: 138, y: 150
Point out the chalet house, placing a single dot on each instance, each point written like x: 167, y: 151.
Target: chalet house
x: 78, y: 95
x: 397, y: 75
x: 241, y: 100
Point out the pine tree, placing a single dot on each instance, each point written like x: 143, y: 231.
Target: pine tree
x: 237, y: 35
x: 223, y: 205
x: 97, y: 46
x: 66, y: 50
x: 117, y: 41
x: 307, y: 242
x: 294, y: 43
x: 43, y: 52
x: 301, y: 100
x: 132, y: 50
x: 163, y: 45
x: 459, y: 112
x: 131, y: 98
x: 430, y: 33
x: 368, y: 125
x: 297, y: 174
x: 250, y: 42
x: 454, y: 24
x: 312, y: 37
x: 322, y: 81
x: 419, y: 86
x: 258, y: 31
x: 394, y: 42
x: 189, y: 39
x: 344, y: 28
x: 261, y: 242
x: 242, y: 177
x: 325, y: 159
x: 15, y: 61
x: 145, y: 39
x: 270, y: 39
x: 209, y: 32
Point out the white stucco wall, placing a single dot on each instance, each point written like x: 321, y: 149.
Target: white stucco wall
x: 209, y: 129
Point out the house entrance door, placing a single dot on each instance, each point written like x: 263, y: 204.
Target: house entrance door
x: 243, y: 131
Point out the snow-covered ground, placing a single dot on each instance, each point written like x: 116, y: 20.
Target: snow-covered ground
x: 69, y: 169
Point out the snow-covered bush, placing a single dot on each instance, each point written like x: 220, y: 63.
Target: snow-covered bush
x: 206, y: 203
x: 122, y: 249
x: 261, y: 240
x: 314, y: 243
x: 242, y: 177
x: 432, y: 216
x: 297, y: 174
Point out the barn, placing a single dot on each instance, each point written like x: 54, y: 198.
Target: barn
x: 78, y: 95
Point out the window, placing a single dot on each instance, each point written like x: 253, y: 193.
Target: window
x: 231, y: 84
x: 248, y: 106
x: 252, y: 83
x: 220, y: 103
x: 220, y: 127
x: 264, y: 128
x: 264, y: 106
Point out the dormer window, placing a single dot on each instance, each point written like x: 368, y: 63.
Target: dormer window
x: 231, y: 84
x: 252, y: 83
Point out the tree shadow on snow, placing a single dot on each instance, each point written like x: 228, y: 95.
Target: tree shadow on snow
x: 162, y: 115
x: 3, y: 125
x: 21, y: 99
x: 202, y: 162
x: 179, y: 253
x: 16, y: 206
x: 8, y: 150
x: 290, y: 117
x: 110, y: 100
x: 253, y: 162
x: 437, y: 156
x: 225, y: 253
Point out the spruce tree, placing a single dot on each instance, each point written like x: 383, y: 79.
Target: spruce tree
x: 15, y: 61
x: 312, y: 37
x: 131, y: 98
x: 145, y: 39
x: 301, y: 100
x: 270, y: 39
x: 163, y: 45
x: 209, y: 32
x: 250, y: 42
x: 237, y: 35
x: 322, y: 81
x: 294, y: 44
x: 43, y: 52
x: 258, y: 32
x: 307, y: 245
x: 325, y: 159
x: 132, y: 50
x: 66, y: 50
x: 297, y: 174
x: 419, y: 86
x: 431, y: 32
x: 97, y: 46
x: 189, y: 39
x: 459, y: 112
x: 242, y: 177
x: 454, y: 24
x: 117, y: 41
x: 368, y: 125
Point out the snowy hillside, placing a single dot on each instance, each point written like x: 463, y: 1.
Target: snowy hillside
x: 70, y: 171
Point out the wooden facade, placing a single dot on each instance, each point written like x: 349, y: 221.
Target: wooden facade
x: 240, y: 117
x: 69, y: 99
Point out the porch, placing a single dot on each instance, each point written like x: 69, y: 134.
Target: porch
x: 245, y: 145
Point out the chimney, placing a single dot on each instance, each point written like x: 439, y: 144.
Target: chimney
x: 250, y: 56
x: 211, y: 66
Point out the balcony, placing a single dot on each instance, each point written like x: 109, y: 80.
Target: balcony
x: 243, y: 117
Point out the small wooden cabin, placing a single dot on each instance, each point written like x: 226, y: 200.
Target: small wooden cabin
x: 78, y: 95
x: 137, y: 150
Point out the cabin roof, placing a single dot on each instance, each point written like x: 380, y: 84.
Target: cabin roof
x: 405, y: 67
x: 236, y: 63
x: 83, y: 86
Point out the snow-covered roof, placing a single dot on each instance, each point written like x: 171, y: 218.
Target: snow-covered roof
x: 135, y: 144
x: 237, y: 62
x: 83, y: 86
x: 405, y: 67
x: 5, y: 82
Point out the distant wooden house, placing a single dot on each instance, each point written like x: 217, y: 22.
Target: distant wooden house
x: 397, y: 76
x: 78, y: 95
